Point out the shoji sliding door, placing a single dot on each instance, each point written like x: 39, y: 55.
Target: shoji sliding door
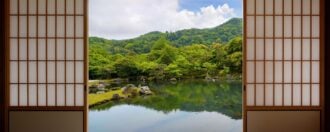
x: 47, y: 65
x: 283, y: 64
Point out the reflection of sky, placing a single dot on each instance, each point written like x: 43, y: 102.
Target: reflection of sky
x: 129, y: 118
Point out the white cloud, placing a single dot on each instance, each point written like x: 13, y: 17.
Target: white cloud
x: 122, y: 19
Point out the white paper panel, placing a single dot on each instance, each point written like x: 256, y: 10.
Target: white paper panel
x: 13, y: 72
x: 51, y: 6
x: 13, y: 26
x: 250, y: 49
x: 23, y: 95
x: 278, y: 72
x: 287, y: 26
x: 315, y: 72
x: 315, y: 94
x: 287, y: 49
x: 32, y: 49
x: 260, y: 7
x: 51, y: 49
x: 79, y: 49
x: 79, y: 6
x: 278, y: 26
x: 42, y: 72
x: 51, y: 95
x: 260, y: 72
x: 260, y: 24
x: 60, y: 6
x: 70, y: 26
x: 306, y: 26
x: 79, y: 26
x: 32, y: 26
x: 250, y: 4
x: 79, y: 95
x: 70, y: 95
x: 306, y: 94
x: 278, y: 49
x: 22, y: 26
x: 13, y: 6
x: 269, y: 49
x: 278, y: 7
x: 22, y: 49
x: 315, y: 26
x: 32, y: 6
x: 13, y: 49
x: 70, y: 49
x: 60, y: 49
x: 269, y: 26
x: 306, y: 49
x: 296, y: 72
x: 42, y: 26
x: 60, y: 26
x: 287, y: 72
x: 260, y: 49
x: 42, y: 6
x: 287, y: 94
x: 22, y: 71
x: 269, y: 71
x: 22, y: 6
x: 13, y: 95
x: 269, y: 95
x: 250, y: 95
x: 70, y: 6
x: 315, y: 49
x: 306, y: 7
x: 250, y: 72
x: 250, y: 26
x: 51, y: 72
x: 296, y: 94
x: 70, y: 72
x: 79, y: 72
x: 60, y: 95
x: 278, y: 94
x: 315, y: 7
x: 288, y: 7
x: 296, y: 26
x: 51, y: 26
x: 296, y: 49
x: 60, y: 72
x: 42, y: 49
x: 269, y: 7
x: 32, y: 72
x: 260, y: 95
x: 32, y: 95
x: 306, y: 71
x: 296, y: 6
x: 42, y: 95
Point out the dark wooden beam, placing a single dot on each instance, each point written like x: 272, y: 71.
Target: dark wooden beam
x: 327, y: 65
x: 2, y: 68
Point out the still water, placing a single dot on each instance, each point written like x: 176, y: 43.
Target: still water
x: 184, y: 106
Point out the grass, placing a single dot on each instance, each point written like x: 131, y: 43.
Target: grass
x: 97, y: 98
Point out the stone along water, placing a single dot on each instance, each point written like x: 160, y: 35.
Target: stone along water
x: 184, y: 106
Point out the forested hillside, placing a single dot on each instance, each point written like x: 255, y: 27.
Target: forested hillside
x: 191, y: 53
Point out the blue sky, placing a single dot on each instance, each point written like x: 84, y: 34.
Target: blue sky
x: 124, y: 19
x: 195, y: 5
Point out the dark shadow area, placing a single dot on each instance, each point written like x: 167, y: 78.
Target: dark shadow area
x: 327, y: 65
x: 2, y: 68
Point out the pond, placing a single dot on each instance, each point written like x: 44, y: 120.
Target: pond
x: 182, y: 106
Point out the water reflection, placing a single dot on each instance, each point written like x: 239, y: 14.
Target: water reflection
x: 187, y: 106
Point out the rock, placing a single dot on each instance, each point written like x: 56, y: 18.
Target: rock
x: 145, y: 90
x: 173, y: 79
x: 115, y: 97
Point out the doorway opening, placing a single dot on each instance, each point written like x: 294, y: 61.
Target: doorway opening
x: 165, y: 65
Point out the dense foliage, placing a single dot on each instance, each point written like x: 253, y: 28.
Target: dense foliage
x: 191, y: 53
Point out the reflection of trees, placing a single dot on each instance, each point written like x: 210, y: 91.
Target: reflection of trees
x: 192, y: 95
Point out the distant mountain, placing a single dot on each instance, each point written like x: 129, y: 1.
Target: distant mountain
x: 142, y: 44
